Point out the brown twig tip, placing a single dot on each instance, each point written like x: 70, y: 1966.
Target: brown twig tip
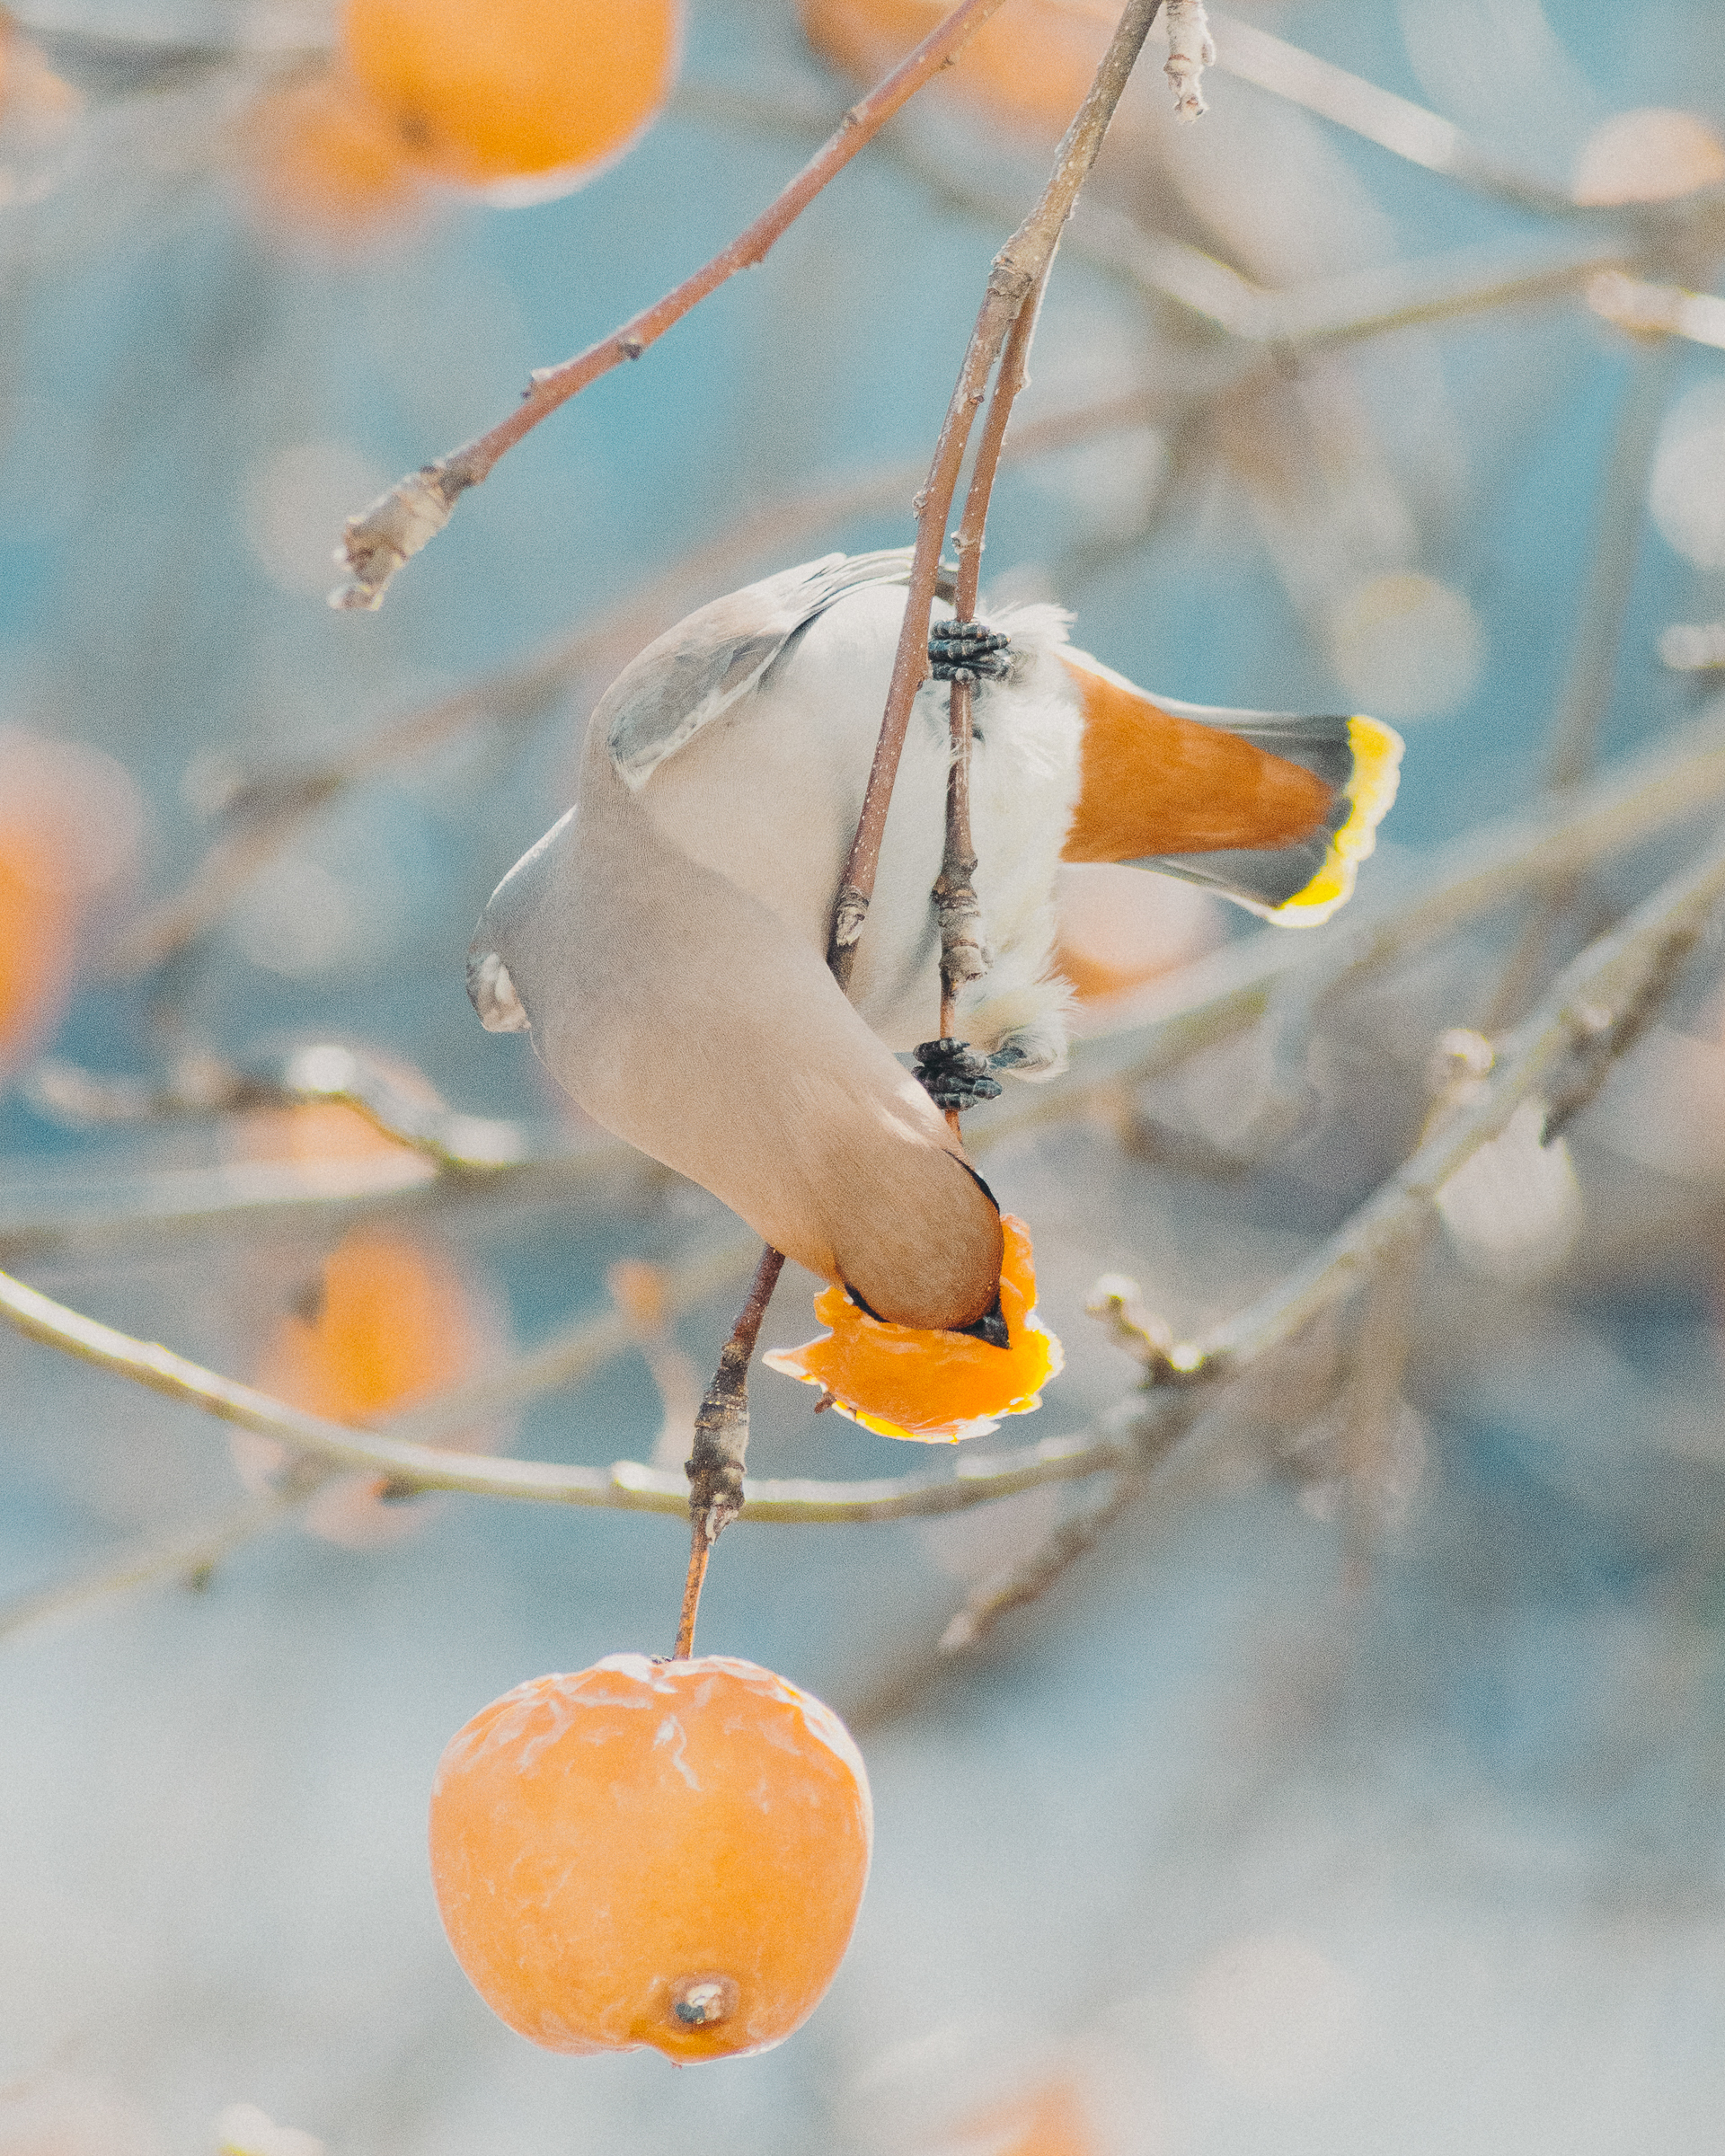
x: 1191, y: 50
x: 1118, y: 1302
x: 385, y: 537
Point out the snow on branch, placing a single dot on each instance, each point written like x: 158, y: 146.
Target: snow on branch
x: 1191, y: 50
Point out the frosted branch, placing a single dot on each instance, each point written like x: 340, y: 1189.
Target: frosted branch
x: 1191, y: 50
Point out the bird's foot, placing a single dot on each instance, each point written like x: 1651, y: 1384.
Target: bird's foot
x: 967, y: 651
x: 951, y: 1076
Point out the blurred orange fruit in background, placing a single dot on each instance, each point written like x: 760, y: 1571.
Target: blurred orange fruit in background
x: 532, y: 95
x: 1050, y: 2121
x: 389, y: 1319
x: 663, y: 1853
x: 69, y: 825
x: 37, y: 941
x: 1119, y: 926
x: 1031, y: 64
x: 30, y: 90
x: 322, y: 161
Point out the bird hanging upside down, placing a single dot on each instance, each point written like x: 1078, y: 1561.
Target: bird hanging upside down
x: 666, y: 941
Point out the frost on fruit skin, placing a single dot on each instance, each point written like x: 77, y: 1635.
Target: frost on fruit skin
x: 662, y: 1854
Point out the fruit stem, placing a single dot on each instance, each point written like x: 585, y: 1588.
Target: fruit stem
x: 715, y: 1463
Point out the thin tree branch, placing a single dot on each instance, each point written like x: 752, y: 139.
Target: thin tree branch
x: 381, y: 539
x: 1600, y: 1007
x: 1015, y: 273
x: 1395, y: 123
x: 316, y: 1073
x: 185, y: 1557
x: 715, y: 1462
x: 1596, y: 1011
x: 1595, y: 640
x: 1208, y: 1001
x: 964, y: 957
x: 627, y: 1486
x: 94, y: 1211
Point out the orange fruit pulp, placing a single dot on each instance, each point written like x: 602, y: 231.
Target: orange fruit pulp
x: 662, y: 1854
x: 936, y: 1387
x: 514, y: 90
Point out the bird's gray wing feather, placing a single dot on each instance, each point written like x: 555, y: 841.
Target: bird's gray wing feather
x: 701, y: 668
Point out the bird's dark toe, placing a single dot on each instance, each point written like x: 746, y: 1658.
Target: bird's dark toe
x: 990, y: 1328
x: 953, y: 1076
x: 967, y: 651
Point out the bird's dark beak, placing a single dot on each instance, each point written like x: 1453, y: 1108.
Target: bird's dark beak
x: 991, y: 1326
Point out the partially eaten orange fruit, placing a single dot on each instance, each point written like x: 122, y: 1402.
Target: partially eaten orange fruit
x: 935, y: 1387
x: 663, y: 1853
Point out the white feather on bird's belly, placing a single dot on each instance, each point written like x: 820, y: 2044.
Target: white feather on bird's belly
x: 768, y: 794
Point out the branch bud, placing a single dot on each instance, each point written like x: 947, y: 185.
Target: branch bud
x: 383, y: 538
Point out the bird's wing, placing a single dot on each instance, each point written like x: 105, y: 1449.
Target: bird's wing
x: 717, y: 655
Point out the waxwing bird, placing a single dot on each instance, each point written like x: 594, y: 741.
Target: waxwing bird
x: 665, y: 942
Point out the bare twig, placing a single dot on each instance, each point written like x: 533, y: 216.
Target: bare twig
x: 1027, y: 1582
x: 1599, y: 1007
x: 627, y: 1486
x: 1649, y: 310
x: 88, y: 1211
x: 1590, y: 677
x: 1396, y: 123
x: 1149, y: 1432
x: 380, y: 541
x: 317, y: 1073
x: 1014, y: 274
x: 715, y: 1465
x: 1595, y: 1010
x: 1692, y: 647
x: 1379, y: 1361
x: 186, y: 1557
x: 964, y: 957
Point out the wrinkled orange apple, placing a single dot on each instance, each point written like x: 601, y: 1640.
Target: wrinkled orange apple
x: 662, y: 1854
x: 935, y: 1387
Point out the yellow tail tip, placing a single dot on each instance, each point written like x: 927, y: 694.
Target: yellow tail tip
x: 1370, y: 792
